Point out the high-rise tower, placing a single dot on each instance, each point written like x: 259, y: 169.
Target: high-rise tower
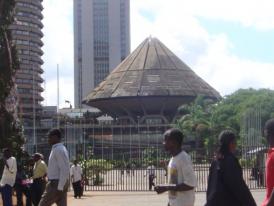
x: 26, y: 34
x: 101, y: 42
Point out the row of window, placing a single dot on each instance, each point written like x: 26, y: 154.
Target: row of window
x: 27, y: 14
x: 27, y: 61
x: 27, y: 52
x: 25, y: 42
x: 29, y: 5
x: 29, y: 101
x: 29, y: 91
x: 27, y: 24
x: 27, y: 33
x: 27, y: 71
x: 26, y: 81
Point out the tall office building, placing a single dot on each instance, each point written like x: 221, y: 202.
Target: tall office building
x: 26, y: 34
x: 101, y: 42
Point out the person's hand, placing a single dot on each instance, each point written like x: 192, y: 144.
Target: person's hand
x: 59, y: 192
x: 160, y: 189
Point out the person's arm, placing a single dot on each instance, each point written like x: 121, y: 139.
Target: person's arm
x: 71, y: 174
x: 6, y: 162
x: 63, y: 165
x: 11, y: 165
x: 178, y: 187
x: 82, y: 175
x: 271, y: 199
x: 233, y: 180
x: 45, y: 169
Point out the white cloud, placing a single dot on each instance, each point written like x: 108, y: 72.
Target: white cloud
x: 176, y: 24
x: 58, y: 49
x: 227, y: 72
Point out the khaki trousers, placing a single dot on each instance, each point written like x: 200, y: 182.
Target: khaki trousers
x: 52, y: 195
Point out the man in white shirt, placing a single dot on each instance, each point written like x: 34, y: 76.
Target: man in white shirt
x: 76, y: 178
x: 181, y: 176
x: 58, y: 172
x: 8, y: 177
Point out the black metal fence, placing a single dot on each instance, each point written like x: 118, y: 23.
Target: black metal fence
x: 117, y: 157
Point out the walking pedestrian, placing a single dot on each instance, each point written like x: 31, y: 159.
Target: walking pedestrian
x: 22, y: 186
x: 269, y: 170
x: 181, y: 176
x: 8, y: 177
x: 76, y: 175
x: 58, y: 172
x: 226, y: 186
x: 151, y: 176
x: 39, y: 179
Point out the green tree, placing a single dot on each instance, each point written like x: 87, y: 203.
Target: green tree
x: 229, y: 112
x: 196, y: 122
x: 10, y: 129
x: 94, y: 168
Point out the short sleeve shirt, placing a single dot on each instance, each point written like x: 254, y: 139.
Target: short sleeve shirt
x: 76, y: 171
x: 269, y: 175
x: 180, y: 170
x: 9, y: 174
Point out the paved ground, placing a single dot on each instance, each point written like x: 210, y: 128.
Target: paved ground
x: 137, y: 199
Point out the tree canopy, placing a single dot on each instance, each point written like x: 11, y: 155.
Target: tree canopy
x: 204, y: 120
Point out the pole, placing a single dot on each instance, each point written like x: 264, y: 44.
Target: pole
x: 34, y: 109
x: 58, y: 116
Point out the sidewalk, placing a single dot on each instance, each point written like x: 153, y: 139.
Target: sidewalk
x: 137, y: 198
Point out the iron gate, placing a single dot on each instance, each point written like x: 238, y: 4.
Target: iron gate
x: 116, y: 157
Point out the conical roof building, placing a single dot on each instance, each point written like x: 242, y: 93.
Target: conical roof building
x: 150, y: 82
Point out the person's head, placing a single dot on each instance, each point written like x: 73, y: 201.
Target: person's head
x: 37, y: 157
x: 227, y: 142
x: 173, y: 140
x: 269, y: 131
x: 54, y: 136
x: 6, y: 153
x: 75, y: 162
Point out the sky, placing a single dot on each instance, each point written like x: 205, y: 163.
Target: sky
x: 229, y: 44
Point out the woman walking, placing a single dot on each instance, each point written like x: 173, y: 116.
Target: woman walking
x: 226, y: 186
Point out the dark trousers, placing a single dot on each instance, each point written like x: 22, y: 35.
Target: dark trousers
x: 20, y: 190
x: 151, y: 181
x: 6, y: 192
x: 77, y: 189
x: 37, y: 190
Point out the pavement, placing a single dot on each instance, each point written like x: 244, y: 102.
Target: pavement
x: 102, y: 198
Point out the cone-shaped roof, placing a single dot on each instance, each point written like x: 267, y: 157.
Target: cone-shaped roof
x: 151, y: 71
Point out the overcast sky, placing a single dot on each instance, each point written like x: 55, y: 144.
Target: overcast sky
x: 229, y: 44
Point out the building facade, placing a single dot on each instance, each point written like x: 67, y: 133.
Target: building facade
x: 27, y: 35
x: 101, y: 42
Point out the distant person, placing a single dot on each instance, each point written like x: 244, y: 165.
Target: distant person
x: 22, y: 186
x: 151, y: 176
x: 39, y: 178
x: 181, y: 176
x: 58, y: 172
x: 128, y: 168
x: 226, y: 186
x: 269, y: 170
x: 8, y: 177
x: 76, y: 175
